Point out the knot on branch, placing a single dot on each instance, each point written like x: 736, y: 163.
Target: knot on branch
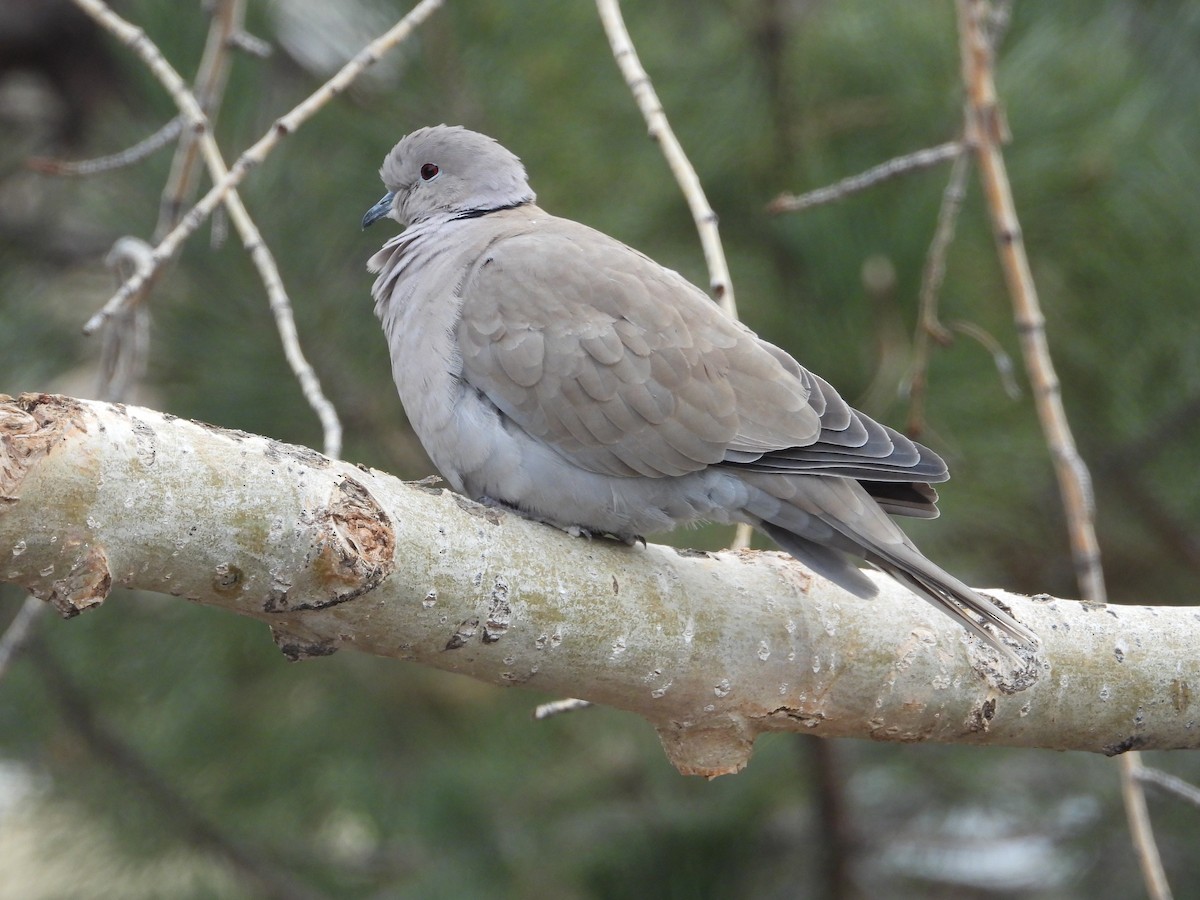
x: 30, y: 427
x: 85, y: 582
x: 353, y: 551
x: 709, y: 749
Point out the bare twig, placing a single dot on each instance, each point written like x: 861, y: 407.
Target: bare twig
x: 1173, y: 785
x: 135, y: 287
x: 1139, y: 827
x: 281, y: 128
x: 559, y: 707
x: 127, y: 340
x: 248, y: 43
x: 660, y: 130
x: 681, y: 167
x: 19, y: 631
x: 929, y: 329
x: 1000, y: 357
x: 901, y: 165
x: 225, y: 180
x: 127, y: 157
x: 208, y: 92
x: 985, y: 131
x: 126, y: 251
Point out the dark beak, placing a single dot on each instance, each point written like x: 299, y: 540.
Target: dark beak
x: 380, y: 209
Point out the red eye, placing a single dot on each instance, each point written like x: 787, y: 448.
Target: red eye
x: 428, y: 171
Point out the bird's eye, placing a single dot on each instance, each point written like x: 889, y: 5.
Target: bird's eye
x: 428, y: 171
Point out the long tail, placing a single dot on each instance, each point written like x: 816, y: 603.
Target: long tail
x: 831, y: 524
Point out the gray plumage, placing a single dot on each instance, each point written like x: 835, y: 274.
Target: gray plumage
x: 550, y: 369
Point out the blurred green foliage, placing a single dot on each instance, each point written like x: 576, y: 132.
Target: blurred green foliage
x: 368, y: 778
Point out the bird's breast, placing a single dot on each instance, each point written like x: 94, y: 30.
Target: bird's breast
x: 419, y: 306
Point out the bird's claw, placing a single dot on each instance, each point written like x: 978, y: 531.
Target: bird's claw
x: 583, y: 531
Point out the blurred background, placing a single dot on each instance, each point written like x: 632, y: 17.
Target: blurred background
x: 155, y: 749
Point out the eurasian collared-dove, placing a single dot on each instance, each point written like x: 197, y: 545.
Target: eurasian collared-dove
x: 550, y: 369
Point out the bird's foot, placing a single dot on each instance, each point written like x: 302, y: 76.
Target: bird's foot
x: 583, y: 531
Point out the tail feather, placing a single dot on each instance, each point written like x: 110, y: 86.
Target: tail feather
x: 825, y: 561
x: 965, y: 605
x: 831, y: 524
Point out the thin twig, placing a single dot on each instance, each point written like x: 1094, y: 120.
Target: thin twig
x: 901, y: 165
x: 280, y: 129
x: 929, y: 329
x: 208, y: 91
x: 127, y: 157
x: 127, y: 346
x: 19, y: 631
x: 248, y: 43
x: 1177, y: 787
x: 136, y: 286
x: 985, y: 131
x: 1139, y: 827
x: 1000, y: 358
x: 681, y: 167
x: 660, y: 130
x: 225, y: 180
x: 559, y: 707
x: 129, y: 254
x: 127, y: 340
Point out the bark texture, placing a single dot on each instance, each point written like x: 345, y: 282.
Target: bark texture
x: 712, y: 649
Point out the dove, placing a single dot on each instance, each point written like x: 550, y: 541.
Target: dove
x: 551, y: 370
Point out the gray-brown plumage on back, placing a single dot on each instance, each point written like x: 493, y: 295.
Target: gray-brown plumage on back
x: 550, y: 369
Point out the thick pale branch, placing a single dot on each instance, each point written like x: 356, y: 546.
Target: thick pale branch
x: 712, y: 649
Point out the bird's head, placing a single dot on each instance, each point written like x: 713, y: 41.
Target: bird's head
x: 446, y: 169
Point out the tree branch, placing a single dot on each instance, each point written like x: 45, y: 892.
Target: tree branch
x: 986, y: 129
x: 854, y: 184
x: 659, y: 128
x: 200, y: 139
x: 681, y: 167
x: 712, y: 649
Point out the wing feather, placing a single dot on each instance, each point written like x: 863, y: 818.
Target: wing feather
x: 627, y: 369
